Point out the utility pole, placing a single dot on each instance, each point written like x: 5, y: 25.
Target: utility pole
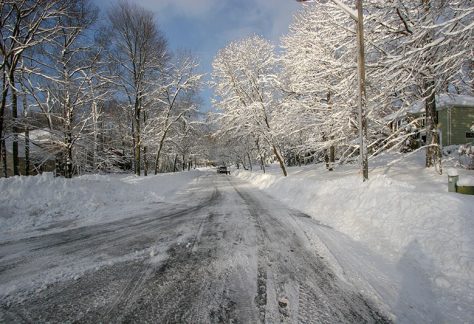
x: 358, y: 17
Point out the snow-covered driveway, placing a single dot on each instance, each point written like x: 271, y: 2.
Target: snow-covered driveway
x: 222, y: 252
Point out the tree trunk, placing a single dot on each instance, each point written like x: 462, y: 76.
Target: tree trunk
x: 433, y: 151
x: 331, y: 157
x: 96, y: 137
x: 326, y: 157
x: 58, y: 164
x: 137, y: 151
x: 15, y: 130
x: 262, y: 157
x: 68, y: 140
x: 175, y: 162
x: 137, y: 147
x: 101, y: 136
x: 184, y: 163
x: 133, y: 145
x: 27, y: 150
x: 68, y: 120
x: 160, y: 147
x: 145, y: 161
x: 250, y: 161
x: 27, y: 133
x: 280, y: 160
x: 95, y: 124
x: 69, y: 168
x: 157, y: 159
x: 331, y: 138
x: 145, y: 157
x: 2, y: 111
x: 243, y: 162
x: 4, y: 157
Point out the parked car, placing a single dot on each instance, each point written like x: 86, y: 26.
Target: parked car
x: 223, y: 169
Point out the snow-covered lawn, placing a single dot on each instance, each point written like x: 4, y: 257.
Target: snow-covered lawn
x: 403, y: 210
x: 43, y: 202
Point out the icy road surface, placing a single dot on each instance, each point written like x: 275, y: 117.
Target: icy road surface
x: 222, y: 253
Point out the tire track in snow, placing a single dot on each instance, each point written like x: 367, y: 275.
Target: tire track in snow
x: 261, y: 299
x: 131, y: 291
x: 130, y: 234
x: 300, y: 276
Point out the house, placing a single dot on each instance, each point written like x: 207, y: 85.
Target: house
x: 456, y: 119
x: 42, y: 150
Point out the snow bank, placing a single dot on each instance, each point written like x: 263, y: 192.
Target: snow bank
x: 453, y: 172
x: 466, y: 181
x: 38, y: 202
x: 393, y: 210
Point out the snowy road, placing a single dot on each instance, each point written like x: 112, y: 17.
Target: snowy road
x: 223, y: 252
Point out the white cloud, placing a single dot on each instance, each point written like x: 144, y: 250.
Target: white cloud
x: 187, y: 8
x: 275, y: 14
x: 280, y: 14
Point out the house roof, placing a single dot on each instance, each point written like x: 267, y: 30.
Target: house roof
x: 41, y: 143
x: 413, y: 109
x: 452, y: 100
x: 443, y: 101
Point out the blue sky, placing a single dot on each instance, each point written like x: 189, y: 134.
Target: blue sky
x: 205, y: 26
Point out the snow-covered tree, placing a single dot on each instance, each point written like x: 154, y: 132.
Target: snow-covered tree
x: 139, y: 51
x: 62, y: 85
x: 172, y: 101
x: 24, y: 24
x: 414, y: 50
x: 243, y: 78
x: 427, y: 48
x: 319, y: 81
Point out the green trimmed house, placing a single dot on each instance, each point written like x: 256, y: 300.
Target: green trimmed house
x: 456, y: 119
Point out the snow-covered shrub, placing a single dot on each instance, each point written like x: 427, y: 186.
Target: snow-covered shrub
x: 411, y: 133
x: 466, y: 156
x: 450, y: 150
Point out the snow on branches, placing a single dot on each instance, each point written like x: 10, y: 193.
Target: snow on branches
x: 244, y: 82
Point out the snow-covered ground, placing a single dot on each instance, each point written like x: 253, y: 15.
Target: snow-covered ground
x: 404, y: 213
x: 42, y: 203
x: 408, y: 243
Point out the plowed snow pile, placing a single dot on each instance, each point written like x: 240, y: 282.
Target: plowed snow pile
x: 404, y: 210
x: 39, y: 202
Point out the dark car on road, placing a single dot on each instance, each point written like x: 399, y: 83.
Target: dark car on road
x: 223, y: 169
